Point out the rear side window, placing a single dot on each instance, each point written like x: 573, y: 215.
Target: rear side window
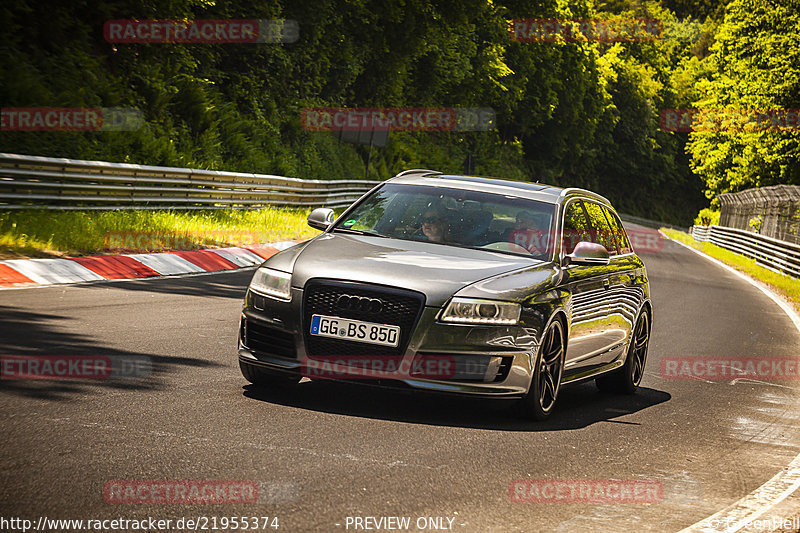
x: 602, y: 233
x: 619, y: 231
x: 576, y: 227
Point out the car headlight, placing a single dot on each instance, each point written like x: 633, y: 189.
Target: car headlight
x: 472, y: 311
x: 273, y: 283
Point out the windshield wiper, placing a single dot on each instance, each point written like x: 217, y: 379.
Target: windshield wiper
x: 535, y: 257
x: 359, y: 232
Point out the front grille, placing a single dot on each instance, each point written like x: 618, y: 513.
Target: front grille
x: 268, y: 340
x: 398, y: 307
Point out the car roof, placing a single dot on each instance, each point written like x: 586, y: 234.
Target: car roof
x: 523, y: 189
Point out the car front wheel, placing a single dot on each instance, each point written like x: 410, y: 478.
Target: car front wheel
x: 546, y: 382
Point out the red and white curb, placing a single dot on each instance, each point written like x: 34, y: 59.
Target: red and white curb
x: 32, y: 272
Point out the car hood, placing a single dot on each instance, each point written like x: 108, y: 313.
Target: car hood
x: 435, y: 270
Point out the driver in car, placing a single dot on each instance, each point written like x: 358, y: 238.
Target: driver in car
x: 434, y: 226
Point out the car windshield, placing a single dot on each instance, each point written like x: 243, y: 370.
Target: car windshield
x: 454, y: 217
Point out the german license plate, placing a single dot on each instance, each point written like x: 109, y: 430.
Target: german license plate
x: 355, y: 330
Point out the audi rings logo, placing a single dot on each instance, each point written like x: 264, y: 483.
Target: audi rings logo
x: 359, y: 303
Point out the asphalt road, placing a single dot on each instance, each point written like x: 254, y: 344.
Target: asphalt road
x: 331, y: 451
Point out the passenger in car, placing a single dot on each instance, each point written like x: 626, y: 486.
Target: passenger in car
x: 471, y: 227
x: 524, y: 221
x: 527, y: 233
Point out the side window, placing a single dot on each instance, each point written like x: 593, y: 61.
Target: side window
x: 619, y: 232
x: 576, y: 227
x: 601, y: 233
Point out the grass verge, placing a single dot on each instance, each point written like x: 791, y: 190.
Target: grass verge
x: 784, y: 285
x: 37, y: 233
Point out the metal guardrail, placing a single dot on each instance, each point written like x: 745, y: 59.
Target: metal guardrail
x: 774, y: 254
x: 646, y: 222
x: 33, y: 182
x: 700, y: 233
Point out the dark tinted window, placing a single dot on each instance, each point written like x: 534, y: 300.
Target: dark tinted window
x: 619, y: 231
x: 576, y: 227
x: 601, y: 230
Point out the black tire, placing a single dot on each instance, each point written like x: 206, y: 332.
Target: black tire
x: 627, y: 379
x: 265, y: 378
x: 546, y: 382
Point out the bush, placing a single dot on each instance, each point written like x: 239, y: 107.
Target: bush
x: 707, y: 217
x: 755, y: 223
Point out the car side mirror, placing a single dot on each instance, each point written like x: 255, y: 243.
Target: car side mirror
x: 320, y: 218
x: 587, y: 253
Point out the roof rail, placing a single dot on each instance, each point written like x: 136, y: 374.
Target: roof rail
x: 417, y: 171
x: 578, y: 190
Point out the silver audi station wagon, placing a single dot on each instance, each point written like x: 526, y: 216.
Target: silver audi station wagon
x: 455, y: 284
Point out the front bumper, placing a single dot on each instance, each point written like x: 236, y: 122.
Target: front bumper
x: 517, y: 345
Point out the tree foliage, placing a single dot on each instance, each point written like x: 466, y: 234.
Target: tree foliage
x: 754, y: 65
x: 572, y: 114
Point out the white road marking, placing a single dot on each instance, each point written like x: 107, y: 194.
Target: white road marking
x: 736, y: 516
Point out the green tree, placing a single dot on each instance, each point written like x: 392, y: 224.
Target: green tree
x: 755, y: 64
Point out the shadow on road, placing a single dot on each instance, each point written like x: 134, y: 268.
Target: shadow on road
x: 39, y: 335
x: 578, y: 406
x: 231, y: 284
